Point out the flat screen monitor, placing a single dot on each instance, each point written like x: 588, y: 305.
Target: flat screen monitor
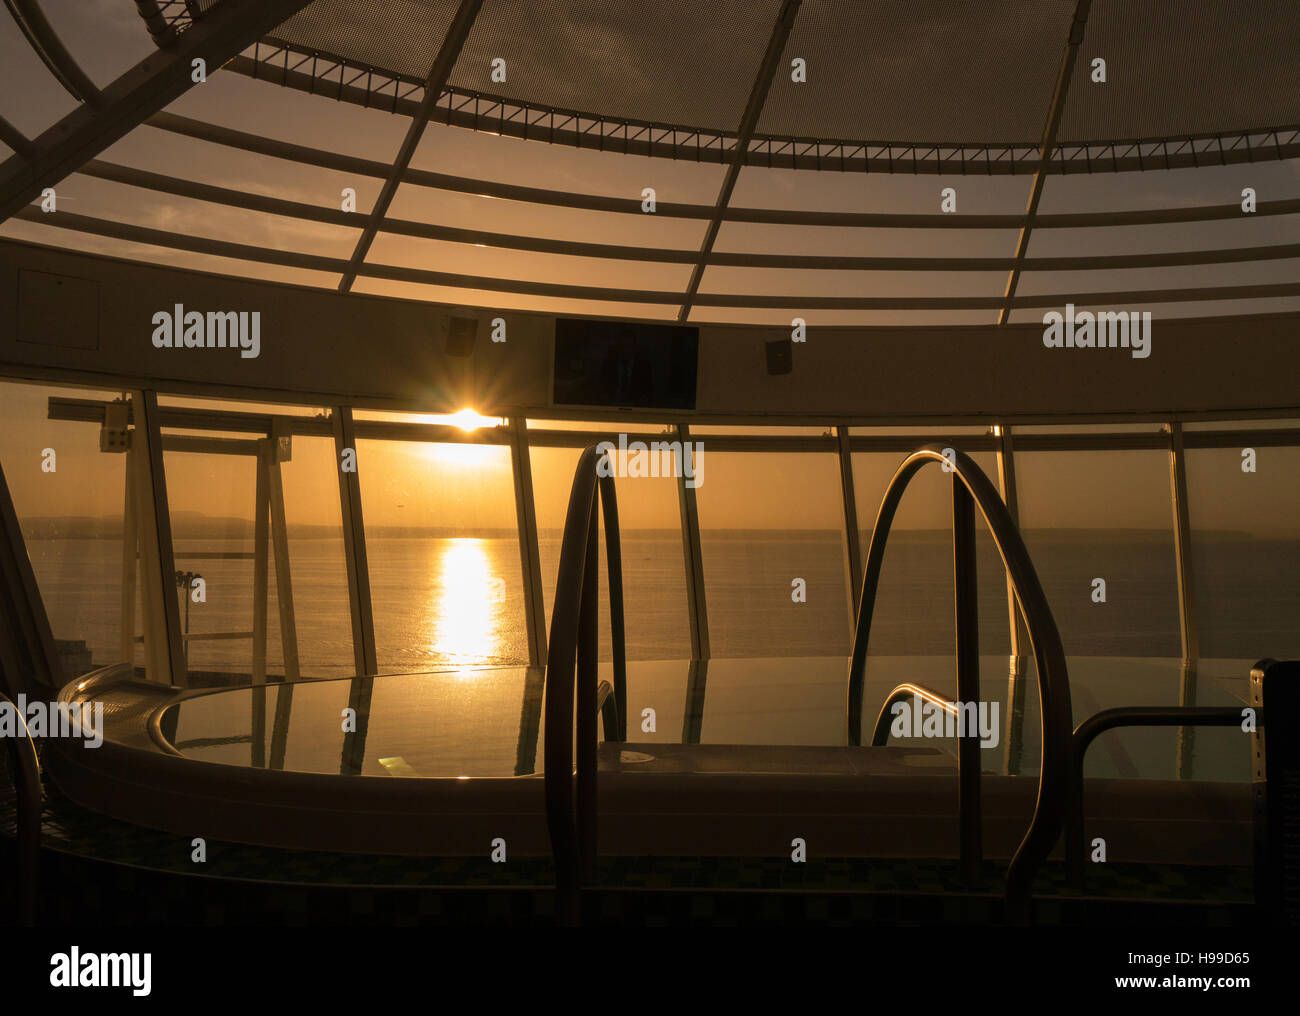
x: 616, y: 363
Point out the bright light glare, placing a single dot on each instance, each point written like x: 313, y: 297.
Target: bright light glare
x: 467, y: 419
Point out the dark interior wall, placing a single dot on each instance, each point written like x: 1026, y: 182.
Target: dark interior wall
x: 90, y: 319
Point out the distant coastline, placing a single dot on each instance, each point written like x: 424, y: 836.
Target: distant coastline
x: 188, y: 525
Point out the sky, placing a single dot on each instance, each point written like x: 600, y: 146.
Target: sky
x: 427, y: 486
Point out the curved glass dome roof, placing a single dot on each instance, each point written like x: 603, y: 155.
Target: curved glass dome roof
x: 923, y: 162
x: 970, y: 81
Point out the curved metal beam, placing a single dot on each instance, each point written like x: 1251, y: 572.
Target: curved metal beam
x: 135, y: 96
x: 47, y: 45
x: 230, y: 197
x: 1054, y: 113
x: 441, y: 70
x: 1044, y: 638
x: 14, y: 138
x: 163, y: 29
x: 290, y: 152
x: 748, y: 124
x: 399, y: 273
x: 331, y: 75
x: 287, y: 151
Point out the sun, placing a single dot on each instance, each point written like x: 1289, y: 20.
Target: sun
x: 468, y: 419
x: 470, y: 454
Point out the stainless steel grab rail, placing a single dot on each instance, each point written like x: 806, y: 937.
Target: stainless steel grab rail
x: 1127, y: 716
x: 906, y: 690
x: 27, y: 784
x: 970, y: 482
x: 570, y: 814
x: 607, y: 706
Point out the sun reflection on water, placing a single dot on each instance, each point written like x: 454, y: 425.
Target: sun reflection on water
x: 467, y: 602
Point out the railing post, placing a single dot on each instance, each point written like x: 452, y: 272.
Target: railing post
x: 693, y: 555
x: 697, y: 683
x: 1015, y: 720
x: 365, y: 658
x: 588, y: 664
x: 1186, y: 594
x: 966, y: 585
x: 167, y: 656
x: 261, y: 559
x: 529, y: 553
x: 614, y: 564
x: 852, y: 535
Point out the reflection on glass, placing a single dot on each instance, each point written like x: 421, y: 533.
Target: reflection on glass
x: 443, y: 548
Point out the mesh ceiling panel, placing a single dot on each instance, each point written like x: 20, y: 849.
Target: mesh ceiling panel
x: 950, y: 72
x: 661, y: 60
x: 1175, y: 68
x: 398, y: 36
x: 920, y: 70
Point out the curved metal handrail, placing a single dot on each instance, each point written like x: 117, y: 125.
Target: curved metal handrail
x: 570, y: 813
x: 880, y: 734
x: 607, y: 707
x: 1128, y: 716
x: 27, y: 783
x: 1049, y: 655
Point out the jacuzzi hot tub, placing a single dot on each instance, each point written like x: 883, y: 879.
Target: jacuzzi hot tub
x: 446, y: 763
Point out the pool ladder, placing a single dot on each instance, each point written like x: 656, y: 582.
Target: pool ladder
x: 571, y: 812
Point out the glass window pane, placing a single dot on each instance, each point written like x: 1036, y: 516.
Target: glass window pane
x: 69, y: 497
x: 1090, y: 516
x: 318, y: 563
x: 771, y: 528
x: 212, y: 490
x: 1245, y: 516
x: 211, y: 497
x: 656, y: 618
x: 443, y: 549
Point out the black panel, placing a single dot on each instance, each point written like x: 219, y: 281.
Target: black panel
x: 616, y: 363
